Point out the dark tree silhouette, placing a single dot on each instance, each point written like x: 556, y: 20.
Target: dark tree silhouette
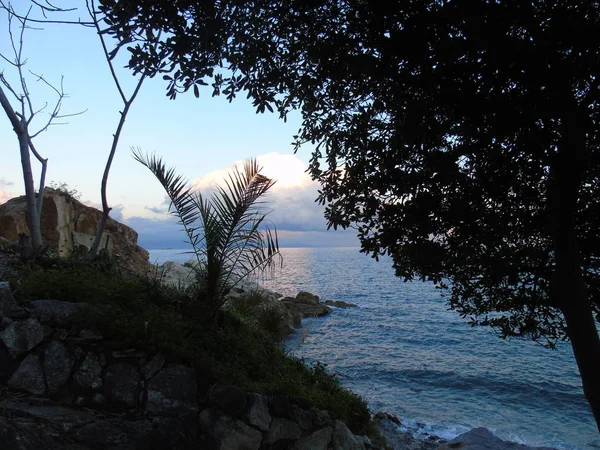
x: 460, y: 137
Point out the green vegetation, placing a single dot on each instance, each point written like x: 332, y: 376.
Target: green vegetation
x: 229, y: 347
x: 226, y: 229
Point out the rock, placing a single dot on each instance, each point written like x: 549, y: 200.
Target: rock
x: 121, y: 383
x: 20, y: 337
x: 58, y: 365
x: 60, y: 416
x: 483, y: 439
x: 322, y: 418
x: 67, y: 223
x: 396, y: 439
x: 230, y: 399
x: 343, y: 439
x: 319, y: 440
x: 55, y: 312
x: 282, y: 430
x: 302, y: 417
x: 27, y: 436
x: 152, y: 367
x: 29, y: 376
x: 339, y: 304
x: 89, y: 374
x: 228, y: 433
x: 307, y: 297
x: 111, y: 434
x: 8, y: 305
x: 173, y: 389
x: 258, y: 413
x: 174, y: 274
x: 306, y: 309
x: 279, y: 406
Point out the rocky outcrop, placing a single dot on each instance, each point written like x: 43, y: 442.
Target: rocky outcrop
x: 62, y: 387
x: 67, y: 223
x: 307, y: 305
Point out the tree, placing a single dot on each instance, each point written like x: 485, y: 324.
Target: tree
x: 21, y: 119
x: 461, y: 138
x: 225, y: 229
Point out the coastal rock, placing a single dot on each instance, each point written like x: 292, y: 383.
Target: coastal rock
x: 228, y: 433
x: 173, y: 389
x: 58, y: 365
x: 54, y: 312
x: 152, y: 367
x: 62, y: 417
x: 319, y: 440
x: 339, y: 304
x: 483, y: 439
x: 66, y: 223
x: 89, y: 374
x: 121, y: 383
x: 306, y: 306
x: 20, y: 337
x: 258, y: 414
x: 8, y: 305
x: 174, y: 274
x: 283, y: 430
x: 29, y: 376
x: 343, y: 439
x: 230, y: 399
x: 398, y: 440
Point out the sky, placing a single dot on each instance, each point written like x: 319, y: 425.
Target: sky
x: 202, y: 138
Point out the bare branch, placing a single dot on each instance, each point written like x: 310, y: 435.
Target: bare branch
x: 92, y: 10
x: 44, y: 9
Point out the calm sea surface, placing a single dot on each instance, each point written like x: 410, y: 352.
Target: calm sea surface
x: 405, y: 353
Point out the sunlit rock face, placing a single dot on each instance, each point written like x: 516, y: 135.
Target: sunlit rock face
x: 66, y: 223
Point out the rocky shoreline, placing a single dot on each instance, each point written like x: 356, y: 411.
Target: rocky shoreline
x: 305, y: 305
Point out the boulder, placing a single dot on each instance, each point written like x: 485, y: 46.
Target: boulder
x: 55, y: 312
x: 258, y: 413
x: 174, y: 274
x: 343, y: 439
x: 483, y: 439
x: 387, y: 425
x: 152, y: 367
x: 58, y: 365
x: 66, y: 223
x: 121, y: 383
x: 229, y: 399
x: 228, y: 433
x: 319, y: 440
x: 307, y: 307
x: 173, y: 389
x: 89, y: 374
x: 29, y: 376
x: 8, y: 305
x: 20, y: 337
x: 283, y: 430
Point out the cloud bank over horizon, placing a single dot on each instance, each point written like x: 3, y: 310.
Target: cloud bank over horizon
x: 293, y: 211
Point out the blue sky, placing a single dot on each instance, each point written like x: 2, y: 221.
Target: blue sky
x: 202, y: 138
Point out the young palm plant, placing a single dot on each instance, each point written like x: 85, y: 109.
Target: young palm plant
x: 226, y: 229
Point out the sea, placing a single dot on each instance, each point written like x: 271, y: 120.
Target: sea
x: 406, y: 353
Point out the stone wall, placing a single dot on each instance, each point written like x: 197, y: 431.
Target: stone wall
x: 62, y: 387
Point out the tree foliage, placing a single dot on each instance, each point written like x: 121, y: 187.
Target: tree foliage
x: 459, y: 137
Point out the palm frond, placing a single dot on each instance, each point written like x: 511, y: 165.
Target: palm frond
x: 184, y: 204
x: 226, y: 228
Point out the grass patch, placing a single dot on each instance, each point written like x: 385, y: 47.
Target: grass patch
x: 226, y: 347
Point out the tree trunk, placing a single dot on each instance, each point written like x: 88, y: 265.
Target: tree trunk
x: 33, y: 221
x: 569, y: 289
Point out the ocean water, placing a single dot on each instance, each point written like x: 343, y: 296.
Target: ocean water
x: 405, y: 353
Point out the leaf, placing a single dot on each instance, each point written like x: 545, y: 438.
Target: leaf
x: 196, y: 91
